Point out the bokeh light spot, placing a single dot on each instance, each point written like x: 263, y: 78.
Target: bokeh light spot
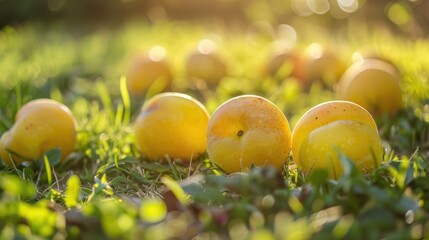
x: 287, y: 35
x: 357, y: 56
x: 319, y: 6
x: 153, y: 210
x: 237, y: 230
x: 206, y: 46
x: 301, y: 8
x: 157, y: 53
x: 315, y: 50
x: 348, y: 6
x: 55, y: 5
x: 399, y: 14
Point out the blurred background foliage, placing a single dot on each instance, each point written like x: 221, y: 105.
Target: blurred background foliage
x: 403, y: 16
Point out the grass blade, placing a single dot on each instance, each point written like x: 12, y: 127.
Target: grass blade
x: 105, y: 99
x: 48, y: 168
x: 125, y: 99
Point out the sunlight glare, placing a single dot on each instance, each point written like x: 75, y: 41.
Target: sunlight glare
x: 301, y: 8
x: 319, y: 6
x: 315, y: 50
x: 348, y: 6
x: 206, y: 46
x: 287, y: 35
x: 157, y: 53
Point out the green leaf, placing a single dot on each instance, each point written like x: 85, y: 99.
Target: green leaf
x: 16, y: 187
x: 153, y: 210
x: 54, y: 156
x: 404, y: 204
x: 72, y: 192
x: 349, y: 167
x: 378, y: 217
x: 40, y: 218
x: 318, y: 176
x: 403, y: 171
x: 343, y: 226
x: 379, y: 194
x: 28, y: 174
x: 204, y: 194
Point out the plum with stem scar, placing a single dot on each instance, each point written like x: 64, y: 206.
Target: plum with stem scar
x: 333, y: 128
x: 248, y: 130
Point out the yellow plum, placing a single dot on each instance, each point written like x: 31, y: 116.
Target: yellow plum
x: 4, y: 154
x: 284, y: 64
x: 248, y: 130
x: 205, y: 64
x: 40, y: 125
x: 148, y: 69
x: 322, y: 65
x: 374, y: 84
x: 335, y: 127
x: 172, y: 124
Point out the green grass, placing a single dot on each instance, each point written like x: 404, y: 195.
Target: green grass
x: 107, y: 190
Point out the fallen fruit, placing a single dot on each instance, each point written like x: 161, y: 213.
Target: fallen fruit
x: 205, y: 64
x: 248, y: 130
x: 173, y: 125
x: 284, y: 64
x: 40, y: 125
x: 322, y: 65
x: 373, y: 84
x: 335, y: 127
x: 148, y: 69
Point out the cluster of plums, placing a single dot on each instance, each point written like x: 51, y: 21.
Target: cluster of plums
x: 150, y: 68
x: 371, y: 82
x: 250, y: 130
x: 244, y: 131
